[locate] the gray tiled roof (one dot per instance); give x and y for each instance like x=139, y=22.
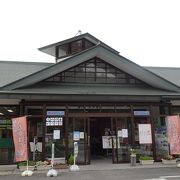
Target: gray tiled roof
x=12, y=70
x=172, y=74
x=106, y=55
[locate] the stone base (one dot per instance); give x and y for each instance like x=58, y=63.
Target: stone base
x=74, y=168
x=52, y=173
x=146, y=162
x=173, y=161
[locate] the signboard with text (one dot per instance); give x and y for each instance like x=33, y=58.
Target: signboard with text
x=145, y=135
x=54, y=121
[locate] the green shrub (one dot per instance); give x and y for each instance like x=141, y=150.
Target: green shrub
x=24, y=163
x=144, y=157
x=71, y=160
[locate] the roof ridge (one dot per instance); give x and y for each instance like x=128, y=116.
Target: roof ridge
x=24, y=62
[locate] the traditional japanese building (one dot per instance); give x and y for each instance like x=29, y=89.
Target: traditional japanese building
x=91, y=95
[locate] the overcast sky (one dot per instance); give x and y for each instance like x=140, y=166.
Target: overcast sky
x=145, y=31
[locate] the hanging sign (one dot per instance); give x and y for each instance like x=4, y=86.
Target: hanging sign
x=173, y=123
x=141, y=113
x=20, y=138
x=145, y=135
x=55, y=113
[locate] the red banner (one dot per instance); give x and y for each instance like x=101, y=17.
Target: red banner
x=20, y=138
x=173, y=123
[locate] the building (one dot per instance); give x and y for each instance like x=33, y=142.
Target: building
x=91, y=93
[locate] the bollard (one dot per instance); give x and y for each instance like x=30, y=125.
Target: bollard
x=133, y=159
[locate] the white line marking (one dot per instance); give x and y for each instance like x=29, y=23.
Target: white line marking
x=170, y=176
x=164, y=177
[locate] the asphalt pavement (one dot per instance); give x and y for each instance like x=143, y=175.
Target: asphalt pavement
x=166, y=173
x=102, y=170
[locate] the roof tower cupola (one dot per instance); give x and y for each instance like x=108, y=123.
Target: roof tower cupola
x=69, y=47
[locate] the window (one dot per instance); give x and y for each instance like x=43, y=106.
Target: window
x=94, y=71
x=76, y=46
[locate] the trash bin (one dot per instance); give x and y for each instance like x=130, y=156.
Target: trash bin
x=133, y=159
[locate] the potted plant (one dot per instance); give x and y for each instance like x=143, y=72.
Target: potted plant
x=133, y=151
x=169, y=159
x=145, y=159
x=71, y=160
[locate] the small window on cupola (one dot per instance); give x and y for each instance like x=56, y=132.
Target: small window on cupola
x=76, y=46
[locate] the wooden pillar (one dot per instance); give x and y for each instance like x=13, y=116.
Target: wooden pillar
x=132, y=127
x=153, y=133
x=43, y=131
x=22, y=108
x=66, y=123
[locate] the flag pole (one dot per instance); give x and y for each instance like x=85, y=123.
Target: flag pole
x=27, y=166
x=27, y=172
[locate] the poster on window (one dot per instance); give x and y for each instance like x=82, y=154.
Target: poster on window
x=76, y=135
x=173, y=124
x=125, y=133
x=145, y=135
x=107, y=142
x=56, y=134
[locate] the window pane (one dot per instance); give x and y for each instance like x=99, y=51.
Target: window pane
x=100, y=64
x=90, y=80
x=80, y=74
x=100, y=75
x=63, y=50
x=121, y=75
x=100, y=70
x=111, y=80
x=92, y=75
x=110, y=70
x=123, y=81
x=79, y=69
x=88, y=44
x=101, y=80
x=70, y=74
x=111, y=75
x=90, y=64
x=76, y=46
x=80, y=79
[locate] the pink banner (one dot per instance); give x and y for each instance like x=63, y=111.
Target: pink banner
x=174, y=134
x=20, y=138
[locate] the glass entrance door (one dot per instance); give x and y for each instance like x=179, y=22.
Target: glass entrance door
x=122, y=140
x=35, y=134
x=78, y=131
x=101, y=139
